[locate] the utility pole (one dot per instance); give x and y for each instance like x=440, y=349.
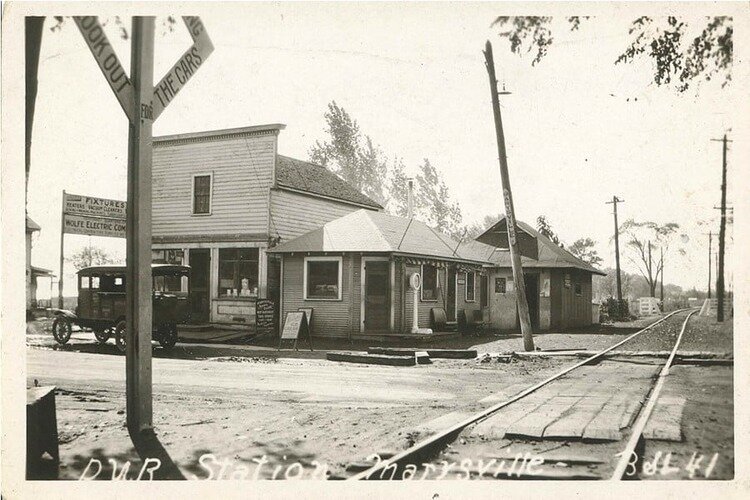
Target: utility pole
x=722, y=232
x=138, y=280
x=62, y=254
x=710, y=235
x=510, y=218
x=661, y=271
x=614, y=202
x=651, y=285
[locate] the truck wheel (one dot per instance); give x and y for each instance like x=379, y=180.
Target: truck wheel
x=102, y=336
x=120, y=336
x=168, y=336
x=62, y=329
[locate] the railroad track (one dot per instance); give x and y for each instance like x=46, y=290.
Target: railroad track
x=571, y=425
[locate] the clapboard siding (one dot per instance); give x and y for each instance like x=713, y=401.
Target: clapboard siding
x=242, y=168
x=294, y=214
x=331, y=318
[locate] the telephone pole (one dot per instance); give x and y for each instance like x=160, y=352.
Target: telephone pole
x=722, y=231
x=614, y=202
x=661, y=271
x=510, y=218
x=710, y=236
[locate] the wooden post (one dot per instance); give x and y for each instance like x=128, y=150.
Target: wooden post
x=614, y=202
x=62, y=254
x=722, y=235
x=710, y=235
x=138, y=229
x=510, y=218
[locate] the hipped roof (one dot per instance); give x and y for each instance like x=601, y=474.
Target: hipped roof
x=377, y=232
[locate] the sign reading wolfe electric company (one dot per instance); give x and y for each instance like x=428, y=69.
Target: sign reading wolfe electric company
x=93, y=216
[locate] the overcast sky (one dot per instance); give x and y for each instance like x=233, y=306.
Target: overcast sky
x=578, y=128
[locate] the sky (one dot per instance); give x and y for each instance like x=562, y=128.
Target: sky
x=579, y=129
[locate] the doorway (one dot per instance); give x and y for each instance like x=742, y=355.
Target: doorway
x=450, y=294
x=200, y=304
x=532, y=298
x=377, y=296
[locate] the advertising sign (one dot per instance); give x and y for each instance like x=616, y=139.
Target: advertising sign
x=75, y=204
x=93, y=226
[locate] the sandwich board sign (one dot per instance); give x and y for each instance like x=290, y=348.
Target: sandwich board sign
x=142, y=103
x=295, y=325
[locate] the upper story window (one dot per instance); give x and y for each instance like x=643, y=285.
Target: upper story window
x=202, y=184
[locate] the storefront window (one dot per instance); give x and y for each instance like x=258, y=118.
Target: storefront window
x=429, y=282
x=238, y=272
x=323, y=278
x=470, y=288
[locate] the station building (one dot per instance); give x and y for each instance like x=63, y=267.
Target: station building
x=354, y=273
x=222, y=198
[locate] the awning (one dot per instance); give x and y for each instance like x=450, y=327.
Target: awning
x=41, y=272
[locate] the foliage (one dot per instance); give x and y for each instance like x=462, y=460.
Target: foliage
x=583, y=248
x=676, y=58
x=352, y=155
x=648, y=242
x=474, y=230
x=91, y=256
x=545, y=228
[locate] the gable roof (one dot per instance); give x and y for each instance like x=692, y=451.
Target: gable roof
x=549, y=253
x=369, y=231
x=317, y=180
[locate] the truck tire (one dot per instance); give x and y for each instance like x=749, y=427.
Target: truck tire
x=168, y=335
x=120, y=336
x=62, y=329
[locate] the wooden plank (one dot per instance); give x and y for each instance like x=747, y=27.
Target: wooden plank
x=504, y=394
x=434, y=353
x=665, y=423
x=572, y=424
x=496, y=425
x=605, y=425
x=535, y=422
x=442, y=422
x=373, y=359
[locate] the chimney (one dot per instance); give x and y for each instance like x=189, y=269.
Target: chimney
x=410, y=199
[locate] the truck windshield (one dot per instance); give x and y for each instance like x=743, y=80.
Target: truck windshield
x=172, y=283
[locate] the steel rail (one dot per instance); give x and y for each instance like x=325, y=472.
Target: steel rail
x=640, y=424
x=435, y=439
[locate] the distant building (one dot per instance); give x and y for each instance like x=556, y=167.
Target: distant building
x=32, y=272
x=222, y=198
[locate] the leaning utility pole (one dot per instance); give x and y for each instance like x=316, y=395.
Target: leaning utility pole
x=614, y=202
x=510, y=218
x=722, y=233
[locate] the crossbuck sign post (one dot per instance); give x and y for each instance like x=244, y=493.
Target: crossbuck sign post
x=142, y=103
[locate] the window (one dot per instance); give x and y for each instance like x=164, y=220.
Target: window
x=429, y=282
x=238, y=272
x=566, y=280
x=202, y=194
x=111, y=283
x=322, y=278
x=578, y=289
x=470, y=287
x=500, y=285
x=95, y=282
x=84, y=282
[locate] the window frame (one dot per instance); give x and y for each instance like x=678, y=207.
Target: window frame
x=236, y=260
x=210, y=176
x=473, y=287
x=339, y=260
x=421, y=283
x=578, y=289
x=505, y=285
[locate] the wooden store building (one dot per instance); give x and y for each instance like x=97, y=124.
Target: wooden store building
x=222, y=198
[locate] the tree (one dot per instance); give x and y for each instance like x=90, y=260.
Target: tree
x=677, y=58
x=642, y=239
x=545, y=228
x=351, y=155
x=433, y=203
x=91, y=256
x=583, y=248
x=476, y=229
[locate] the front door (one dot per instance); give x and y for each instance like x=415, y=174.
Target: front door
x=200, y=303
x=450, y=295
x=377, y=295
x=532, y=298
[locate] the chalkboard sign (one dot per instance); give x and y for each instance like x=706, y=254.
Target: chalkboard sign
x=295, y=326
x=309, y=313
x=265, y=317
